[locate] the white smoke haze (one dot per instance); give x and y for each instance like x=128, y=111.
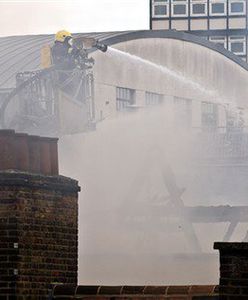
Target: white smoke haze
x=125, y=233
x=131, y=231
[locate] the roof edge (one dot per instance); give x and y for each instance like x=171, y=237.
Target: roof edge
x=177, y=35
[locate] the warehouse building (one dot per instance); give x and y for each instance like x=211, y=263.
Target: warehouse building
x=198, y=80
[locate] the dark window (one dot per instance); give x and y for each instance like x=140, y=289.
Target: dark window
x=198, y=9
x=237, y=44
x=179, y=9
x=237, y=47
x=209, y=115
x=220, y=44
x=160, y=10
x=219, y=40
x=124, y=98
x=153, y=98
x=160, y=0
x=218, y=8
x=237, y=7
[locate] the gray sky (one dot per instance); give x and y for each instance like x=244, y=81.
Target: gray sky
x=19, y=17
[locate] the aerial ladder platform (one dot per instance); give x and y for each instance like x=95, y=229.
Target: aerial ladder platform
x=54, y=101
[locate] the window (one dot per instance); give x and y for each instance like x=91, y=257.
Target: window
x=183, y=112
x=179, y=8
x=218, y=7
x=219, y=40
x=153, y=98
x=198, y=7
x=237, y=7
x=209, y=115
x=236, y=44
x=124, y=98
x=160, y=8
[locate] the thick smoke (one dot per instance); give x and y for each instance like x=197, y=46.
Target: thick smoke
x=128, y=234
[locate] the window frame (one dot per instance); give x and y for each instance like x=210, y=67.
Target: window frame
x=128, y=102
x=238, y=39
x=237, y=13
x=205, y=113
x=220, y=38
x=204, y=2
x=217, y=2
x=179, y=2
x=157, y=100
x=160, y=3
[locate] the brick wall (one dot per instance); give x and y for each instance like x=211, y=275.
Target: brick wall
x=38, y=234
x=38, y=218
x=233, y=270
x=136, y=292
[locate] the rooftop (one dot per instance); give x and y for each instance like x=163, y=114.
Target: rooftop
x=22, y=53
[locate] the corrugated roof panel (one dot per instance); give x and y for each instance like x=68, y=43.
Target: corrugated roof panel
x=20, y=57
x=22, y=53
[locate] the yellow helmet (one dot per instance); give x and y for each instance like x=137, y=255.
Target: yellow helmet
x=61, y=35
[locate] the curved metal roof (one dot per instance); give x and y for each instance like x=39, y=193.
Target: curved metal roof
x=22, y=53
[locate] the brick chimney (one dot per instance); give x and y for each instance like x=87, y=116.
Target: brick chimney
x=38, y=218
x=233, y=270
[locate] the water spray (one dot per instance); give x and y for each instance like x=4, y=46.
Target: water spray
x=165, y=70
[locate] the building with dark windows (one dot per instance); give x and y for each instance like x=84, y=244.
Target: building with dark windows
x=223, y=22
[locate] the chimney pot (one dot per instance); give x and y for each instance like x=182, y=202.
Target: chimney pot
x=54, y=156
x=34, y=153
x=7, y=150
x=22, y=152
x=45, y=156
x=28, y=153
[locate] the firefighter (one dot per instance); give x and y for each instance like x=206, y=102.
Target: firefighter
x=63, y=53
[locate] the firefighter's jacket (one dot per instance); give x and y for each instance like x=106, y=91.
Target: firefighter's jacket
x=63, y=55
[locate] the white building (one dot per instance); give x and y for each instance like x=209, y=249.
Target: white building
x=220, y=21
x=198, y=79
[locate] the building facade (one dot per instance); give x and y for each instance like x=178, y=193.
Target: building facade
x=197, y=80
x=198, y=98
x=223, y=22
